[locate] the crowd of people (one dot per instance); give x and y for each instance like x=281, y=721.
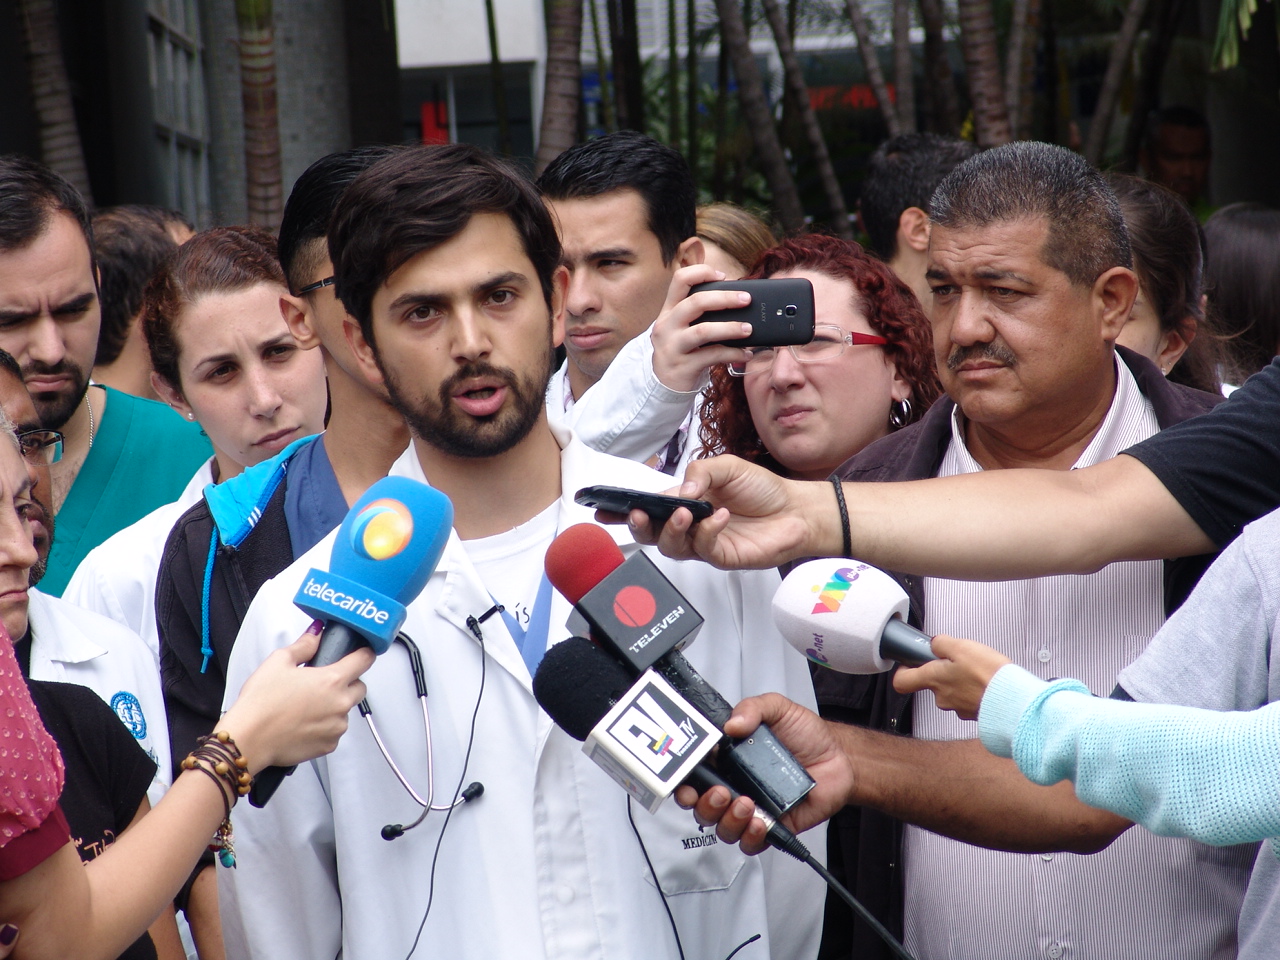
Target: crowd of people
x=1014, y=399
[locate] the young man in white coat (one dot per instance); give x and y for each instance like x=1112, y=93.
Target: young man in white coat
x=450, y=263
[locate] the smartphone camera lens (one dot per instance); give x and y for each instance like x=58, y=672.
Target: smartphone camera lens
x=791, y=310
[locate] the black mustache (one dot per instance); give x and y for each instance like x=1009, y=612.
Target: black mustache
x=997, y=352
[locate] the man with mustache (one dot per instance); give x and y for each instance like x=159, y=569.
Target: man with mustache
x=123, y=456
x=1030, y=273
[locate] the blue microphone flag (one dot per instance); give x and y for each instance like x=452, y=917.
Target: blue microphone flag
x=386, y=549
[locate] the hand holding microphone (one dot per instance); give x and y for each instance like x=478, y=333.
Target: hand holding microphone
x=649, y=739
x=387, y=548
x=642, y=732
x=643, y=621
x=959, y=680
x=848, y=616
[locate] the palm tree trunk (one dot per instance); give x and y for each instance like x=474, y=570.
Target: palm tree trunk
x=692, y=86
x=1117, y=65
x=903, y=69
x=607, y=108
x=759, y=120
x=719, y=120
x=498, y=83
x=559, y=128
x=982, y=64
x=1154, y=60
x=60, y=147
x=941, y=83
x=628, y=75
x=673, y=75
x=809, y=119
x=264, y=187
x=1013, y=61
x=871, y=63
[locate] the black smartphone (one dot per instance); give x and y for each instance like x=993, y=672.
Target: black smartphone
x=656, y=505
x=780, y=311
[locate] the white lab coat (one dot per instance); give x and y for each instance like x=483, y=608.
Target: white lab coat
x=73, y=645
x=628, y=413
x=544, y=864
x=117, y=578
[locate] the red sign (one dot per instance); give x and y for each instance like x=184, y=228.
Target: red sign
x=860, y=96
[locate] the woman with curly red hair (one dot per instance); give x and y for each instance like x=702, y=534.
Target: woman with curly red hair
x=803, y=410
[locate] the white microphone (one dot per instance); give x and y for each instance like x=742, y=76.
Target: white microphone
x=848, y=616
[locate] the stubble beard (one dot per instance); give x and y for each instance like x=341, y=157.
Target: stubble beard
x=457, y=434
x=55, y=409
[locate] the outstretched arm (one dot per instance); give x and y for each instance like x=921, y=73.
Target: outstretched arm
x=955, y=788
x=1051, y=521
x=75, y=912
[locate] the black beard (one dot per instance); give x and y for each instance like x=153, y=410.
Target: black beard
x=55, y=409
x=454, y=433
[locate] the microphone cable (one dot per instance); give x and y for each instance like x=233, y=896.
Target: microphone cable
x=783, y=839
x=473, y=624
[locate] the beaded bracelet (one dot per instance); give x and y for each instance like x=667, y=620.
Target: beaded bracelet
x=219, y=759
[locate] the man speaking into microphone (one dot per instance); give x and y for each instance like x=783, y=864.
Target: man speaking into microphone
x=449, y=263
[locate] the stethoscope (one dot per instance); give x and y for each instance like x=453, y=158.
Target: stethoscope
x=470, y=792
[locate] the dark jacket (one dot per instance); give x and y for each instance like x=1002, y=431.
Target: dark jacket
x=219, y=553
x=864, y=845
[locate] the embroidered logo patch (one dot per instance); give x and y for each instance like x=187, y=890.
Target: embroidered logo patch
x=129, y=710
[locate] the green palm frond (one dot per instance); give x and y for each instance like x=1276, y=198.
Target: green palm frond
x=1234, y=20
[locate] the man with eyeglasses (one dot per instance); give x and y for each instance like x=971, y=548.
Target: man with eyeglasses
x=63, y=642
x=1031, y=279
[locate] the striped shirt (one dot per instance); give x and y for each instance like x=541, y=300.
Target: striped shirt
x=1144, y=896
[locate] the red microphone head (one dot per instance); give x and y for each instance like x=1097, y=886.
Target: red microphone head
x=580, y=558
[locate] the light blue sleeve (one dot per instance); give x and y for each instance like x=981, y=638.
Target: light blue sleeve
x=1178, y=771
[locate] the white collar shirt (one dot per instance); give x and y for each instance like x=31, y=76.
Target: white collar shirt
x=1144, y=895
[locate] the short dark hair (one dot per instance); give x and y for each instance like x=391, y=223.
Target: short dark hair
x=30, y=193
x=221, y=260
x=1028, y=179
x=310, y=204
x=418, y=198
x=130, y=243
x=903, y=172
x=628, y=160
x=1172, y=116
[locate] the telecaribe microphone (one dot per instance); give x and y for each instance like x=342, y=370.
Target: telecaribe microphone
x=387, y=548
x=638, y=616
x=848, y=616
x=641, y=732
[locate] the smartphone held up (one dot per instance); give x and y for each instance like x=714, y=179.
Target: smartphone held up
x=780, y=312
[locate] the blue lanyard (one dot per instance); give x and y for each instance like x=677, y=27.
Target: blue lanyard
x=532, y=640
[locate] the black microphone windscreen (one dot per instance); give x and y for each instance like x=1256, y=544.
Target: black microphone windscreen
x=577, y=683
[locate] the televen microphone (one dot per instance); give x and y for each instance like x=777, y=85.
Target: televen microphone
x=387, y=548
x=848, y=616
x=637, y=615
